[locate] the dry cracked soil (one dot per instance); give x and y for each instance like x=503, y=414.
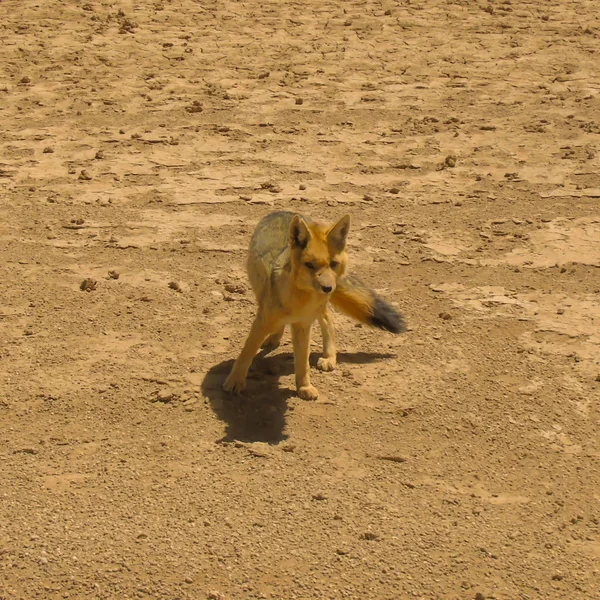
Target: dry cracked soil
x=140, y=142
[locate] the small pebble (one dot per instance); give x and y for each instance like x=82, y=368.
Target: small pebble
x=234, y=288
x=165, y=396
x=88, y=285
x=196, y=107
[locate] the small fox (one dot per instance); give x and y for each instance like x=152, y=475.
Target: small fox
x=297, y=267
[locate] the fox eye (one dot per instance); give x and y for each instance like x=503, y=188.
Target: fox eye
x=310, y=266
x=333, y=264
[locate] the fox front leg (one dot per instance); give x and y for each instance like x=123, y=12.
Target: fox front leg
x=236, y=381
x=301, y=342
x=328, y=361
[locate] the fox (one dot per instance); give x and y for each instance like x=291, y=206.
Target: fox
x=298, y=269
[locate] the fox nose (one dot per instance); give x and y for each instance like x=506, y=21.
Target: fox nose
x=326, y=288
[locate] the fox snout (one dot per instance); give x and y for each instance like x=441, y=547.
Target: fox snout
x=325, y=281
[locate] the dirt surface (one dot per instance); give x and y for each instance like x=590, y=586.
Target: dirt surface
x=140, y=142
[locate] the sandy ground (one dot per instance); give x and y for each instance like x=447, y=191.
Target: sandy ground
x=140, y=142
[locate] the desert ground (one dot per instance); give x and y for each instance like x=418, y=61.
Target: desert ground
x=140, y=143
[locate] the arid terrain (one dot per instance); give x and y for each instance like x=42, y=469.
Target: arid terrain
x=140, y=143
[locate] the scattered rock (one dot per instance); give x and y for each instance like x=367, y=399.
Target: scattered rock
x=234, y=288
x=174, y=285
x=84, y=176
x=259, y=449
x=450, y=161
x=88, y=285
x=165, y=396
x=271, y=187
x=25, y=451
x=127, y=26
x=48, y=150
x=113, y=275
x=299, y=101
x=393, y=458
x=196, y=107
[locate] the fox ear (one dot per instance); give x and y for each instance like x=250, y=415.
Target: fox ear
x=339, y=232
x=299, y=233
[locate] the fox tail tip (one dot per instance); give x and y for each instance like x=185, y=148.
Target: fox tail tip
x=386, y=317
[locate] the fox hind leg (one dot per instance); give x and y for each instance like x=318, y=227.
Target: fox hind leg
x=328, y=361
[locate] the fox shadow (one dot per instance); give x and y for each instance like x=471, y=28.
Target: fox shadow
x=259, y=414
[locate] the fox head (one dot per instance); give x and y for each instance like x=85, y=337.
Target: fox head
x=318, y=253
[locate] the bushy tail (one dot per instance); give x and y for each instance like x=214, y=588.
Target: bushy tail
x=355, y=299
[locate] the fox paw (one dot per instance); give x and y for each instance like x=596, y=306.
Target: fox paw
x=273, y=340
x=270, y=344
x=326, y=364
x=308, y=392
x=234, y=384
